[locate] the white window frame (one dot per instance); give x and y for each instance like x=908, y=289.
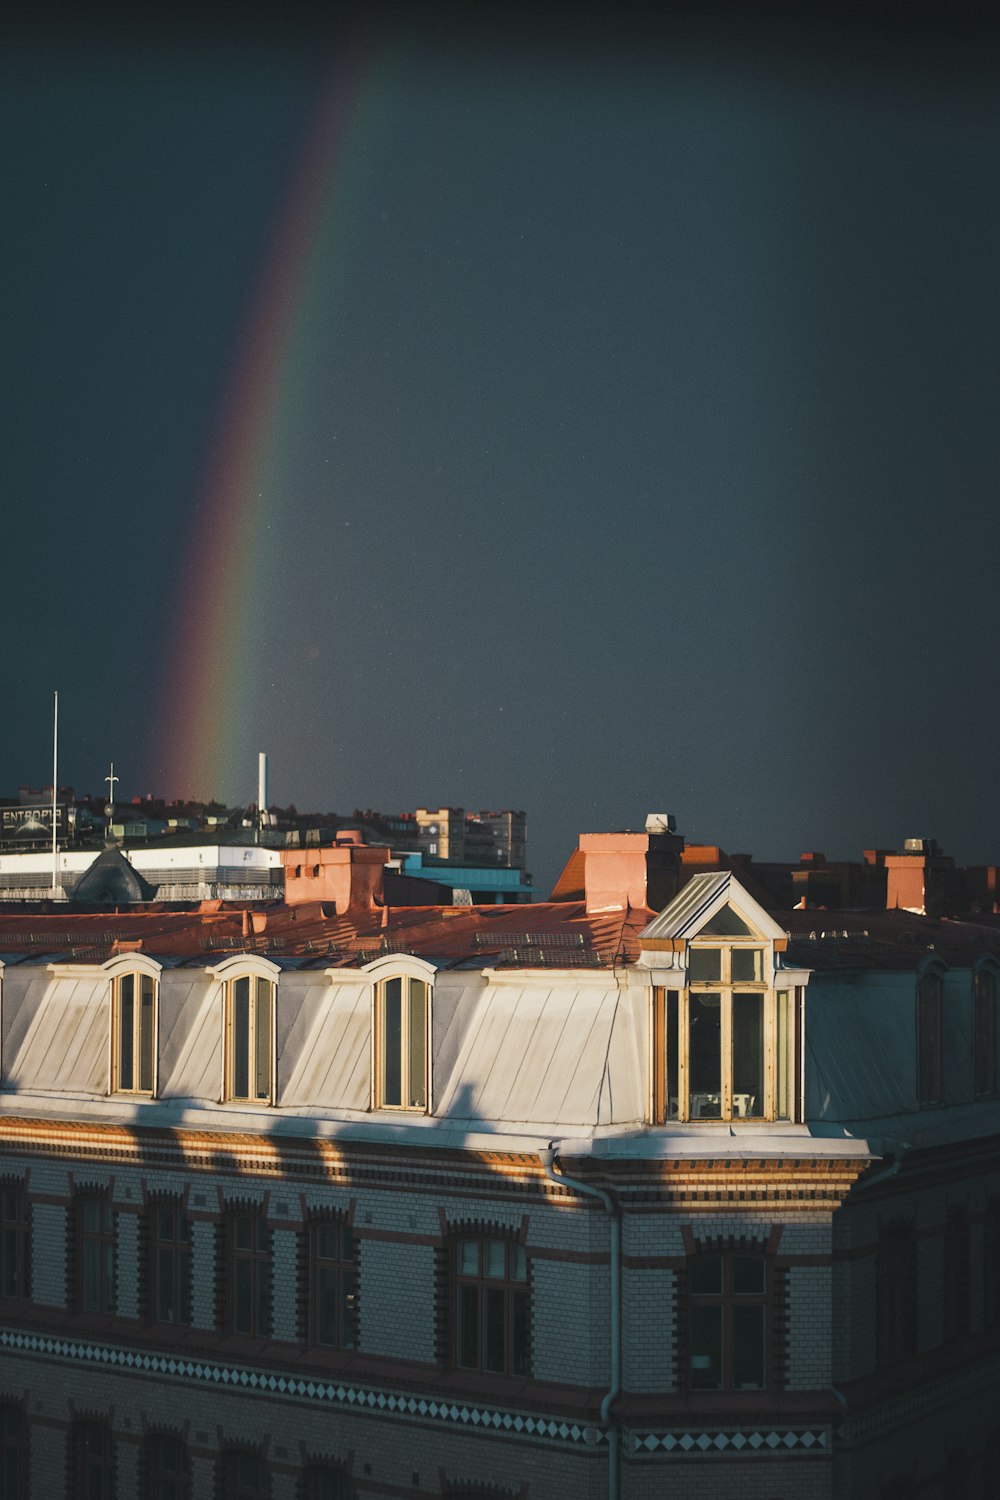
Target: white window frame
x=138, y=967
x=774, y=981
x=229, y=973
x=405, y=968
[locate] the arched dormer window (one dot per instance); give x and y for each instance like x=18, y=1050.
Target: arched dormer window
x=134, y=994
x=984, y=1029
x=401, y=1023
x=930, y=1051
x=249, y=991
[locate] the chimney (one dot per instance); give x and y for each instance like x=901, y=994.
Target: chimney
x=349, y=875
x=921, y=879
x=639, y=870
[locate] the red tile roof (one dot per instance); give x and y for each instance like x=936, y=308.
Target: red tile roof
x=552, y=934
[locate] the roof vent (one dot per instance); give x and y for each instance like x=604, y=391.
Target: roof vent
x=661, y=823
x=919, y=846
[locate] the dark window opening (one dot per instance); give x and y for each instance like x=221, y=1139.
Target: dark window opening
x=170, y=1252
x=332, y=1284
x=930, y=1086
x=95, y=1249
x=984, y=1033
x=896, y=1295
x=92, y=1461
x=15, y=1243
x=491, y=1312
x=248, y=1274
x=956, y=1276
x=15, y=1451
x=728, y=1312
x=165, y=1468
x=245, y=1475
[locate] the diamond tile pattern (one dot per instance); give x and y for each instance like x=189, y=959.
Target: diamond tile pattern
x=111, y=1357
x=704, y=1442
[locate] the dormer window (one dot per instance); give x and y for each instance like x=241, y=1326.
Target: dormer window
x=401, y=1022
x=724, y=1034
x=133, y=1028
x=984, y=1031
x=930, y=1061
x=249, y=1033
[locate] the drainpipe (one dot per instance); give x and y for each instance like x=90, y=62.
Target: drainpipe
x=547, y=1156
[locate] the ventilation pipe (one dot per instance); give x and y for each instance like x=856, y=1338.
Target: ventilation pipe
x=547, y=1156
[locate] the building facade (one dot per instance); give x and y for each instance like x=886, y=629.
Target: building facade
x=573, y=1199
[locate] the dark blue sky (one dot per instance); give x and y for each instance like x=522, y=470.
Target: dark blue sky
x=648, y=454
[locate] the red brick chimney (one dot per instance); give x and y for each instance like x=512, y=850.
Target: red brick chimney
x=641, y=870
x=349, y=875
x=921, y=879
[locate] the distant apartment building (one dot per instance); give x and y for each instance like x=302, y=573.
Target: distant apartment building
x=451, y=833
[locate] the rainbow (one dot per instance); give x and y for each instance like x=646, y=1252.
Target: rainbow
x=211, y=679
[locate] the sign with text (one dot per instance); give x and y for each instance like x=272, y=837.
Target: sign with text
x=31, y=825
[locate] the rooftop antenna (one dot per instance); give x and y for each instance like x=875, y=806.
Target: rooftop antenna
x=55, y=784
x=109, y=807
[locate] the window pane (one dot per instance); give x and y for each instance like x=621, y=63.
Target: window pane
x=494, y=1258
x=468, y=1327
x=262, y=1312
x=705, y=1057
x=518, y=1264
x=519, y=1356
x=166, y=1310
x=91, y=1276
x=326, y=1240
x=748, y=1055
x=242, y=1296
x=672, y=1041
x=326, y=1305
x=469, y=1257
x=706, y=1274
x=984, y=1044
x=417, y=1040
x=126, y=1032
x=748, y=1274
x=495, y=1306
x=184, y=1292
x=748, y=965
x=704, y=964
x=243, y=1232
x=348, y=1300
x=706, y=1348
x=146, y=1035
x=748, y=1347
x=108, y=1279
x=726, y=923
x=784, y=1072
x=392, y=1042
x=262, y=1039
x=241, y=1038
x=9, y=1281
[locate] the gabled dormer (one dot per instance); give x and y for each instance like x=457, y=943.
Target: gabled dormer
x=726, y=1018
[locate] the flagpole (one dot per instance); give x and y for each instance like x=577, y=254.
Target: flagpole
x=55, y=791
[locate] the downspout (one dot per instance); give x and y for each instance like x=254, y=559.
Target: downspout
x=547, y=1156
